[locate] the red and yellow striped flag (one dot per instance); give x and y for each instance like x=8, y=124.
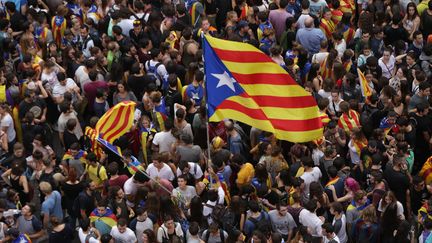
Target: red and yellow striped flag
x=244, y=84
x=349, y=120
x=116, y=121
x=364, y=86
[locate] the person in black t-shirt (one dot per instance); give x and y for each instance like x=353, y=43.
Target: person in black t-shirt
x=419, y=194
x=398, y=180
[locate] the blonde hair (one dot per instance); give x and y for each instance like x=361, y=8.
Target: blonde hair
x=45, y=187
x=231, y=15
x=369, y=214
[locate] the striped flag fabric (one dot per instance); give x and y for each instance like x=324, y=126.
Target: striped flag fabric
x=426, y=171
x=244, y=84
x=349, y=120
x=364, y=86
x=116, y=121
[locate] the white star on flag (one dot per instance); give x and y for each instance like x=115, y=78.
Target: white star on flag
x=76, y=10
x=225, y=79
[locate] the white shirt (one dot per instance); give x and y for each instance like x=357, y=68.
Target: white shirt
x=334, y=239
x=127, y=237
x=194, y=169
x=50, y=77
x=59, y=90
x=82, y=236
x=130, y=188
x=387, y=69
x=141, y=226
x=164, y=140
x=81, y=76
x=8, y=122
x=319, y=57
x=308, y=178
x=340, y=48
x=126, y=25
x=165, y=172
x=399, y=209
x=355, y=157
x=311, y=220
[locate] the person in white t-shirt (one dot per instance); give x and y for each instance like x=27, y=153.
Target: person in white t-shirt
x=141, y=223
x=130, y=187
x=88, y=234
x=65, y=85
x=7, y=124
x=162, y=141
x=121, y=233
x=160, y=169
x=310, y=175
x=309, y=219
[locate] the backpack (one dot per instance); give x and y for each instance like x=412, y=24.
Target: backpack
x=154, y=75
x=263, y=224
x=218, y=211
x=222, y=216
x=221, y=235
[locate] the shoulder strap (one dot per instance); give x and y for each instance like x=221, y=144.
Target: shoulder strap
x=195, y=169
x=221, y=235
x=208, y=205
x=207, y=235
x=98, y=170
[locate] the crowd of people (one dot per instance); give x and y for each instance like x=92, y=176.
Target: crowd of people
x=182, y=179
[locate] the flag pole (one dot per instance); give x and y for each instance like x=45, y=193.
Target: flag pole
x=209, y=161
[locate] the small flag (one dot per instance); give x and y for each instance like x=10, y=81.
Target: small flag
x=111, y=147
x=116, y=121
x=364, y=86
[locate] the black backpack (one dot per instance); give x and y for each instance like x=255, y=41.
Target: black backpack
x=222, y=216
x=221, y=235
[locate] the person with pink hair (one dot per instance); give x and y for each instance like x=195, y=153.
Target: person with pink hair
x=351, y=187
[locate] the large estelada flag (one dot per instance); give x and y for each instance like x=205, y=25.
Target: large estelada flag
x=244, y=84
x=116, y=121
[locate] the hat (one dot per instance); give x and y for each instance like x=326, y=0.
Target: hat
x=242, y=24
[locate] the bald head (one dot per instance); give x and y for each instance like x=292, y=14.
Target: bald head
x=309, y=22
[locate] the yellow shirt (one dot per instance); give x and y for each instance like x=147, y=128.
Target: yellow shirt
x=421, y=7
x=245, y=174
x=97, y=178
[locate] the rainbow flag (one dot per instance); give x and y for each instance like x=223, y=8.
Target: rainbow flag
x=244, y=84
x=104, y=222
x=80, y=156
x=332, y=181
x=116, y=121
x=364, y=86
